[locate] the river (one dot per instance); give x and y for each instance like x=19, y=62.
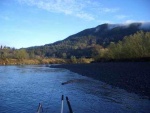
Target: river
x=22, y=88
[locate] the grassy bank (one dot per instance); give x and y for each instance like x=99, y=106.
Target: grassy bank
x=10, y=61
x=31, y=61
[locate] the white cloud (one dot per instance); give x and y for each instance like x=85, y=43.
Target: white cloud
x=68, y=7
x=129, y=21
x=79, y=8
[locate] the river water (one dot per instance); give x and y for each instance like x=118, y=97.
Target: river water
x=22, y=88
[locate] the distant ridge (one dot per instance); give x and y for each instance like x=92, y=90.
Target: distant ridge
x=103, y=30
x=81, y=43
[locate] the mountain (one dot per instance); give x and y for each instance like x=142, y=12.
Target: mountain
x=107, y=33
x=84, y=43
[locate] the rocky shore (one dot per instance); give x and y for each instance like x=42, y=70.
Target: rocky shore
x=131, y=76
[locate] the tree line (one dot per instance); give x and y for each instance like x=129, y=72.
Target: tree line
x=135, y=46
x=131, y=47
x=7, y=52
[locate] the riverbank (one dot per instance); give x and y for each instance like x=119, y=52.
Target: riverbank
x=37, y=61
x=31, y=61
x=131, y=76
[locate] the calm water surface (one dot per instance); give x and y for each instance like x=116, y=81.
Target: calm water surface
x=22, y=88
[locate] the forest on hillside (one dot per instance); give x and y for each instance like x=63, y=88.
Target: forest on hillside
x=134, y=46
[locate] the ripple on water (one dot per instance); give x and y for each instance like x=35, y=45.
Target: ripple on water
x=22, y=88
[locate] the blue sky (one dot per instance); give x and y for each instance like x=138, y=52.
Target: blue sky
x=25, y=23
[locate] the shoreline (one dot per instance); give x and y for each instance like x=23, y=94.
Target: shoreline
x=31, y=61
x=131, y=76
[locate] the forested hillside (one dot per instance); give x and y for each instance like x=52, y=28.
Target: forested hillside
x=87, y=43
x=136, y=46
x=103, y=43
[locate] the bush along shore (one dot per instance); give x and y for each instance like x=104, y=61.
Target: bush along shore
x=36, y=61
x=31, y=61
x=131, y=76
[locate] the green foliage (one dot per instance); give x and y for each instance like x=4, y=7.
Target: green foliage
x=107, y=44
x=21, y=54
x=96, y=50
x=7, y=52
x=84, y=43
x=77, y=46
x=73, y=59
x=115, y=50
x=64, y=55
x=133, y=46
